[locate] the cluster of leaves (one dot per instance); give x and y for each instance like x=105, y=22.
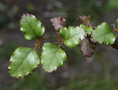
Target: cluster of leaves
x=24, y=60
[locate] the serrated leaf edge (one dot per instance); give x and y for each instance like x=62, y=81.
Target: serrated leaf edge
x=55, y=67
x=19, y=76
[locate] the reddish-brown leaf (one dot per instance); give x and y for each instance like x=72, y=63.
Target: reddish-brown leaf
x=87, y=47
x=84, y=20
x=58, y=22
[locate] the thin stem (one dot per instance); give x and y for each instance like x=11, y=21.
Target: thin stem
x=48, y=37
x=114, y=28
x=60, y=45
x=38, y=43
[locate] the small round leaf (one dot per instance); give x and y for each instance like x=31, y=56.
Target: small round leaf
x=23, y=62
x=72, y=35
x=52, y=57
x=31, y=27
x=103, y=34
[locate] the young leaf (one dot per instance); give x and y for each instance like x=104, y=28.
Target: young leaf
x=72, y=35
x=87, y=47
x=23, y=61
x=84, y=20
x=103, y=34
x=31, y=27
x=58, y=23
x=87, y=29
x=52, y=57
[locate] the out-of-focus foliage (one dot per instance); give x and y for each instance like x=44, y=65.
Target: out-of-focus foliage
x=36, y=81
x=31, y=7
x=85, y=82
x=7, y=49
x=89, y=83
x=111, y=5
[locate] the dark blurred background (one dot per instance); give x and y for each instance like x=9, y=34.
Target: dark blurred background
x=100, y=72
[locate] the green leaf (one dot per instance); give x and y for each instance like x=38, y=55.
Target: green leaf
x=72, y=35
x=103, y=34
x=31, y=27
x=52, y=57
x=87, y=29
x=23, y=61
